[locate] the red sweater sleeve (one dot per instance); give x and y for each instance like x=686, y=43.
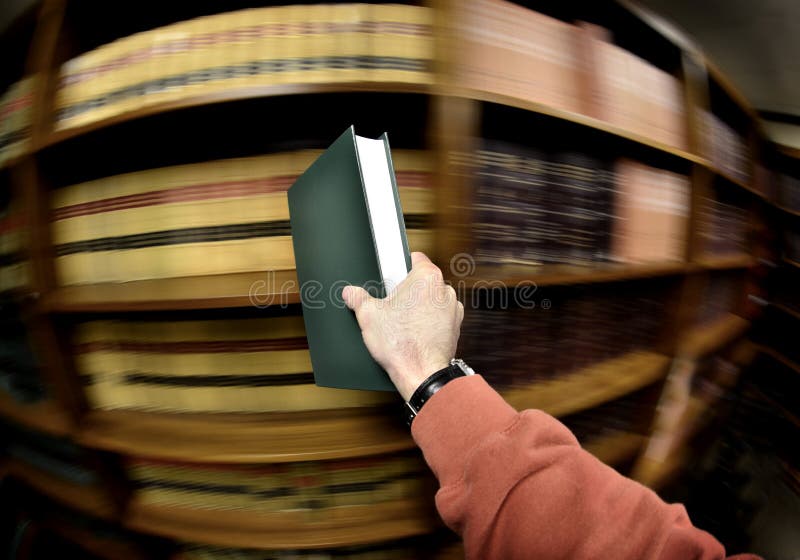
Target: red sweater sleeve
x=518, y=485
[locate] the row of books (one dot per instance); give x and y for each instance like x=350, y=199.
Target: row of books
x=215, y=365
x=301, y=44
x=724, y=147
x=305, y=492
x=504, y=48
x=14, y=264
x=209, y=218
x=263, y=364
x=16, y=117
x=517, y=347
x=723, y=228
x=530, y=207
x=299, y=497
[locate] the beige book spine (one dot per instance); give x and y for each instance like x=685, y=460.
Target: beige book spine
x=158, y=217
x=274, y=362
x=392, y=42
x=198, y=259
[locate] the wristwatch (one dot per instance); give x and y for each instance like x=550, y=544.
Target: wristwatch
x=457, y=368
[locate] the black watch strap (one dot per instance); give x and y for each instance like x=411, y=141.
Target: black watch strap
x=436, y=381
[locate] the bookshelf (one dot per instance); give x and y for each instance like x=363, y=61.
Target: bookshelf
x=434, y=114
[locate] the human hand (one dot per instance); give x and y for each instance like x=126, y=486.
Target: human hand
x=413, y=332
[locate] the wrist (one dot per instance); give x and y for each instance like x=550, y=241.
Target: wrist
x=455, y=368
x=408, y=378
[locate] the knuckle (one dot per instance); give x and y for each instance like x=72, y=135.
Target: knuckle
x=434, y=272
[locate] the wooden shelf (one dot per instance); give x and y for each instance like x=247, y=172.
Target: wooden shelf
x=706, y=339
x=616, y=447
x=247, y=289
x=577, y=118
x=91, y=499
x=591, y=386
x=45, y=415
x=233, y=94
x=514, y=275
x=247, y=438
x=353, y=525
x=725, y=262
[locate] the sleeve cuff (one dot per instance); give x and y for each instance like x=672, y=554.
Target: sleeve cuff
x=455, y=420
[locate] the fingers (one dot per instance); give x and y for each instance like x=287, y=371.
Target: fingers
x=354, y=297
x=419, y=258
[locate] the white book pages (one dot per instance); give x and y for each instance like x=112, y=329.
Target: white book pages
x=382, y=211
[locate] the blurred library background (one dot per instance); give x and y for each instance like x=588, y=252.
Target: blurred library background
x=612, y=187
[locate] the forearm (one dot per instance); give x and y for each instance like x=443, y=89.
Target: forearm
x=519, y=486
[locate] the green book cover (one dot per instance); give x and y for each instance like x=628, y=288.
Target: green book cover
x=347, y=228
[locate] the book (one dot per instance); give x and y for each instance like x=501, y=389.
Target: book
x=630, y=92
x=513, y=51
x=652, y=209
x=347, y=228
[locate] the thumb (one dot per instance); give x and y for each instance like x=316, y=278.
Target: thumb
x=355, y=296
